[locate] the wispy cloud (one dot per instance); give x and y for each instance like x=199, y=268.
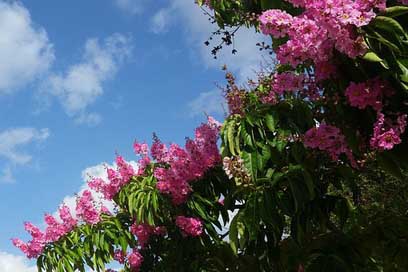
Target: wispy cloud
x=131, y=6
x=161, y=20
x=12, y=139
x=211, y=102
x=12, y=142
x=82, y=83
x=198, y=29
x=25, y=50
x=13, y=263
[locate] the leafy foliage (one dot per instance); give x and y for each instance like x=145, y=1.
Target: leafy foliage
x=296, y=208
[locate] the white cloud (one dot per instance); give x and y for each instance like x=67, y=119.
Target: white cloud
x=25, y=50
x=12, y=139
x=131, y=6
x=82, y=83
x=198, y=29
x=211, y=102
x=160, y=21
x=91, y=119
x=13, y=263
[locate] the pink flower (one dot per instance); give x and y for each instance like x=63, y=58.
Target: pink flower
x=188, y=164
x=287, y=81
x=67, y=219
x=386, y=133
x=189, y=225
x=135, y=260
x=329, y=139
x=35, y=232
x=32, y=249
x=143, y=232
x=125, y=169
x=105, y=210
x=141, y=148
x=159, y=151
x=275, y=22
x=119, y=256
x=21, y=245
x=55, y=230
x=116, y=179
x=86, y=210
x=322, y=27
x=143, y=163
x=369, y=93
x=388, y=139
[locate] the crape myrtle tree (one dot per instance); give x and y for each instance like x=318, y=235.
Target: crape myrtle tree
x=312, y=170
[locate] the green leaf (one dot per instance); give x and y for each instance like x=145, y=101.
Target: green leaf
x=385, y=41
x=233, y=234
x=372, y=57
x=404, y=74
x=389, y=24
x=247, y=139
x=270, y=122
x=389, y=165
x=396, y=11
x=251, y=163
x=231, y=136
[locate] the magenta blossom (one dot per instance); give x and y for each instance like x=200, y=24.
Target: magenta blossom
x=190, y=226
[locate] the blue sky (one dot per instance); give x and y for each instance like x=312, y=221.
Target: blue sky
x=80, y=80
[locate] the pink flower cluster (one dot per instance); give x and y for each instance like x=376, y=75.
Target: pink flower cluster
x=190, y=226
x=387, y=133
x=54, y=231
x=323, y=26
x=119, y=256
x=86, y=210
x=117, y=179
x=178, y=167
x=369, y=93
x=35, y=247
x=134, y=259
x=181, y=166
x=144, y=231
x=329, y=139
x=287, y=81
x=236, y=101
x=303, y=85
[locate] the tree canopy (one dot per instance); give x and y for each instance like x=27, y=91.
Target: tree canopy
x=308, y=172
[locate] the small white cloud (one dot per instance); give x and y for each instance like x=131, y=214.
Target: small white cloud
x=82, y=83
x=90, y=119
x=160, y=21
x=12, y=139
x=211, y=102
x=13, y=263
x=131, y=6
x=25, y=50
x=11, y=142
